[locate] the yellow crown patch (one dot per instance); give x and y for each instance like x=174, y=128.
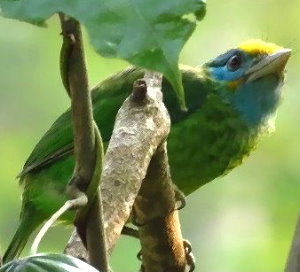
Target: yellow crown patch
x=256, y=46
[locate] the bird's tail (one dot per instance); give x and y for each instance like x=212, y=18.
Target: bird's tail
x=29, y=222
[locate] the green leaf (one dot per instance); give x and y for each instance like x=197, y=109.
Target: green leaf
x=48, y=262
x=147, y=33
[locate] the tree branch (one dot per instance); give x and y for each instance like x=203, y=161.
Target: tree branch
x=142, y=124
x=160, y=233
x=293, y=262
x=87, y=145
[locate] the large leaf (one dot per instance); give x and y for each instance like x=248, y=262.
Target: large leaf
x=48, y=262
x=147, y=33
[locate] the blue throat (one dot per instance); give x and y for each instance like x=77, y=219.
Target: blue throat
x=258, y=100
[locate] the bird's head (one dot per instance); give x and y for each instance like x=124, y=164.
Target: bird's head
x=250, y=77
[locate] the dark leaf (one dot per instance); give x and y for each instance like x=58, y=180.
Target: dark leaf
x=48, y=262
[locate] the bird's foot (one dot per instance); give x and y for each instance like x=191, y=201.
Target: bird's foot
x=134, y=220
x=190, y=259
x=132, y=232
x=140, y=258
x=139, y=255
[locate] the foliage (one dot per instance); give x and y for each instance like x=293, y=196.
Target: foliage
x=48, y=262
x=148, y=33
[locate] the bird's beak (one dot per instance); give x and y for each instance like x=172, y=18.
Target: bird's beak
x=269, y=64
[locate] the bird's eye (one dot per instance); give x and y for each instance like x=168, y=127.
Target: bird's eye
x=234, y=63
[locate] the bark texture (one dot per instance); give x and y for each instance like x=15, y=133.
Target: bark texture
x=160, y=233
x=142, y=124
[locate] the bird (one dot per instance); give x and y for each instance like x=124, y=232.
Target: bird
x=231, y=101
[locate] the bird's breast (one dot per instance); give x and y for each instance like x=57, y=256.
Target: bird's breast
x=208, y=144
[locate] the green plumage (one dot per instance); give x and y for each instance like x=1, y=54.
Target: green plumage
x=202, y=144
x=222, y=142
x=216, y=133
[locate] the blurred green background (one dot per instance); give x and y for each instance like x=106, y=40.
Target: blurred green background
x=242, y=222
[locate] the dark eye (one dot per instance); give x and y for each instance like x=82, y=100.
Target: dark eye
x=234, y=63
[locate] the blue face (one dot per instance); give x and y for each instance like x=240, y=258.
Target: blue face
x=231, y=65
x=257, y=100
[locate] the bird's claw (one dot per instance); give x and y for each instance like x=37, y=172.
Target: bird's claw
x=134, y=220
x=139, y=255
x=140, y=258
x=132, y=232
x=190, y=259
x=180, y=199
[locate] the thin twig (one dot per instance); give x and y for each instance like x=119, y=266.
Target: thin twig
x=87, y=143
x=70, y=204
x=77, y=84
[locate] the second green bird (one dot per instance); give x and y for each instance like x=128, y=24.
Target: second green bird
x=231, y=100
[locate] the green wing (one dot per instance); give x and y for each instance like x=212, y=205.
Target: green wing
x=107, y=98
x=58, y=140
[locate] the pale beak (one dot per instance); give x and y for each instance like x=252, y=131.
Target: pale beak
x=270, y=64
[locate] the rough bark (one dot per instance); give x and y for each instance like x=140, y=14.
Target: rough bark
x=142, y=124
x=136, y=172
x=160, y=233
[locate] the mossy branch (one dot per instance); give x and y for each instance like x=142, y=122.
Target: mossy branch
x=160, y=233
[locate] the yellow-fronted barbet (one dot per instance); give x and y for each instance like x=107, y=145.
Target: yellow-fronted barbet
x=231, y=100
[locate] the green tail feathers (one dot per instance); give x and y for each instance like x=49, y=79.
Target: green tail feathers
x=29, y=223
